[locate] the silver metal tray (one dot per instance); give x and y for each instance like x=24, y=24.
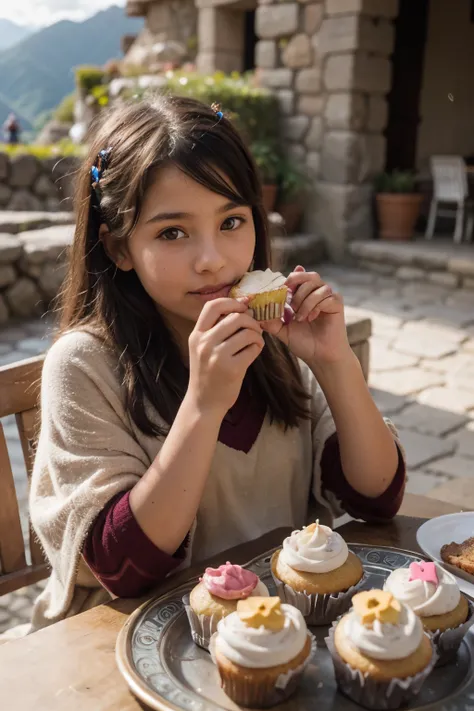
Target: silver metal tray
x=166, y=670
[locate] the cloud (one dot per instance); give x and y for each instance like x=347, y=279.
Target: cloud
x=39, y=13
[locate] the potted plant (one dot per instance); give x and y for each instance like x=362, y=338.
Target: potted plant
x=268, y=161
x=293, y=183
x=398, y=205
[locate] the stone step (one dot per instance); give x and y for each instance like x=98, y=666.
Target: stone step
x=13, y=222
x=438, y=261
x=289, y=251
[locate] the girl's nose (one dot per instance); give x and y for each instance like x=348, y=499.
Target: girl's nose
x=208, y=257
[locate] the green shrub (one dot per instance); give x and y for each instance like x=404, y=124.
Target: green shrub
x=254, y=110
x=294, y=180
x=65, y=110
x=87, y=77
x=65, y=147
x=399, y=181
x=267, y=157
x=101, y=94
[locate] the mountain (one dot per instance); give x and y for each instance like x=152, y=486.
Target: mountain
x=39, y=71
x=11, y=33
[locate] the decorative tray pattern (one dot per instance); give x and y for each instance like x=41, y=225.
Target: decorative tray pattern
x=166, y=670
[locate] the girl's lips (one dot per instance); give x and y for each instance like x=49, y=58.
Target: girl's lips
x=209, y=295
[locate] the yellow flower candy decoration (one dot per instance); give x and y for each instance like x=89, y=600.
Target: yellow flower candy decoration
x=378, y=605
x=261, y=612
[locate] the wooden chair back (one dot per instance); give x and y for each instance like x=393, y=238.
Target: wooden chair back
x=19, y=396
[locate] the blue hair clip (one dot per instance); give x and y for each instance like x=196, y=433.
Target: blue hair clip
x=217, y=110
x=99, y=167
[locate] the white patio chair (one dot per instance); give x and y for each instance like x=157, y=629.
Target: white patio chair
x=450, y=186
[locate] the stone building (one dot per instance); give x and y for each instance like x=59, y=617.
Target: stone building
x=364, y=85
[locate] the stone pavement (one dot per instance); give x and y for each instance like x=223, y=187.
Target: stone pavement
x=422, y=376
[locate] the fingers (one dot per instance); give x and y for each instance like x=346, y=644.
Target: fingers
x=313, y=300
x=232, y=323
x=305, y=289
x=239, y=341
x=213, y=311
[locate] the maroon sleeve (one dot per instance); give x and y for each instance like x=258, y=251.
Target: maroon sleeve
x=120, y=554
x=373, y=510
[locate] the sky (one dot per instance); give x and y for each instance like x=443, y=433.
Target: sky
x=40, y=13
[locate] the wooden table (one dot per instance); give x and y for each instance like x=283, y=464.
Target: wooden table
x=71, y=665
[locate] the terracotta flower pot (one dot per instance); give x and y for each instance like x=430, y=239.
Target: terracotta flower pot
x=269, y=197
x=292, y=212
x=398, y=213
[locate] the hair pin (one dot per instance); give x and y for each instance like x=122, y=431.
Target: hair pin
x=100, y=166
x=217, y=110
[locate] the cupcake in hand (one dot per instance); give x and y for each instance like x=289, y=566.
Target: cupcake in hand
x=316, y=572
x=381, y=654
x=216, y=596
x=261, y=651
x=433, y=594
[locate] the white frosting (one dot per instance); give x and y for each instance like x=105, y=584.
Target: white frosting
x=384, y=641
x=258, y=281
x=318, y=551
x=260, y=648
x=424, y=598
x=260, y=590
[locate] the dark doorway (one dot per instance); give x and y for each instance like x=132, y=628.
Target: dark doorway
x=250, y=40
x=411, y=29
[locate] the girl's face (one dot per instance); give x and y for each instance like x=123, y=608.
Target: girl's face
x=190, y=245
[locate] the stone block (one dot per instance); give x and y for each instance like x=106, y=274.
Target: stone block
x=465, y=442
x=388, y=403
x=422, y=483
x=339, y=34
x=42, y=246
x=429, y=420
x=314, y=135
x=457, y=491
x=453, y=466
x=448, y=399
x=374, y=8
x=4, y=312
x=4, y=166
x=349, y=157
x=44, y=187
x=10, y=249
x=376, y=36
x=51, y=279
x=420, y=448
x=313, y=17
x=295, y=127
x=313, y=161
x=276, y=78
x=53, y=204
x=23, y=199
x=310, y=105
x=462, y=265
x=298, y=52
x=358, y=72
x=346, y=111
x=443, y=279
x=286, y=99
x=468, y=283
x=308, y=81
x=23, y=298
x=406, y=381
x=266, y=54
x=410, y=274
x=24, y=170
x=5, y=194
x=275, y=21
x=340, y=213
x=296, y=249
x=7, y=275
x=377, y=114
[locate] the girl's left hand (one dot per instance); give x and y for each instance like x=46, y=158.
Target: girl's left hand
x=317, y=334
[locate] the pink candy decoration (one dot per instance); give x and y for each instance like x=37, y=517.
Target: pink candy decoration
x=230, y=582
x=424, y=571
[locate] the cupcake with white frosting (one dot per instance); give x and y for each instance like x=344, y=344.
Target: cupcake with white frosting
x=433, y=594
x=317, y=573
x=381, y=653
x=261, y=651
x=216, y=596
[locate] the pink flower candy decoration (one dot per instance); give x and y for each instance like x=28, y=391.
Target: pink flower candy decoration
x=230, y=582
x=424, y=571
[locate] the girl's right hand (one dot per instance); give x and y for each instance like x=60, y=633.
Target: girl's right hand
x=222, y=345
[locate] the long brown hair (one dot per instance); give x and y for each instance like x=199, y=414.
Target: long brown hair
x=143, y=137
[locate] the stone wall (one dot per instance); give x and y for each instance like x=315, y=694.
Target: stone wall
x=27, y=183
x=328, y=61
x=32, y=267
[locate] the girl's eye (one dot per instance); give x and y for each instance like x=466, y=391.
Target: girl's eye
x=171, y=234
x=231, y=223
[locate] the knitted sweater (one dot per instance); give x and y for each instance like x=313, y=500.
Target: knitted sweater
x=89, y=450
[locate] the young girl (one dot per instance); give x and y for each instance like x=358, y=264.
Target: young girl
x=174, y=425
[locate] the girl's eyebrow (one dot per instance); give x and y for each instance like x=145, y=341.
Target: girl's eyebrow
x=163, y=216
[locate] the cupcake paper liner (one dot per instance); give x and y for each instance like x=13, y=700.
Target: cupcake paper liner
x=448, y=642
x=202, y=626
x=371, y=693
x=268, y=312
x=266, y=693
x=318, y=609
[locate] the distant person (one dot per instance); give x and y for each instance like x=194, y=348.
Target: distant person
x=11, y=129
